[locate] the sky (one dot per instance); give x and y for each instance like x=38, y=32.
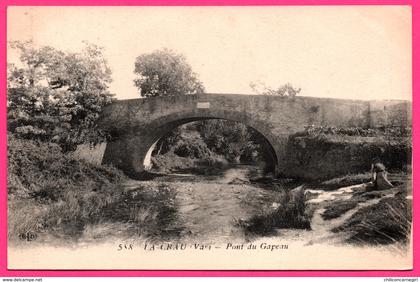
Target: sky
x=353, y=52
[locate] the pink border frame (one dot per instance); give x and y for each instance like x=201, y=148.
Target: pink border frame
x=4, y=272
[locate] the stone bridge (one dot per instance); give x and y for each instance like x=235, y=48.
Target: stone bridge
x=137, y=124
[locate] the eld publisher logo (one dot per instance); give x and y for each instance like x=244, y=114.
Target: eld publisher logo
x=28, y=236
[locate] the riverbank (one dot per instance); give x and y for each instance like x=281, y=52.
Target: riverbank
x=205, y=214
x=229, y=207
x=81, y=203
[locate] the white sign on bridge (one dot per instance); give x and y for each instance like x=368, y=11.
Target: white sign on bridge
x=203, y=105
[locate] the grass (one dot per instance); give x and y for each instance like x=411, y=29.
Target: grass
x=55, y=195
x=386, y=222
x=343, y=181
x=291, y=213
x=339, y=208
x=150, y=211
x=397, y=177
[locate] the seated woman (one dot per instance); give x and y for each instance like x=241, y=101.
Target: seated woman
x=379, y=176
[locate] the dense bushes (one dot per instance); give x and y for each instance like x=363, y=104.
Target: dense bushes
x=191, y=147
x=51, y=193
x=211, y=141
x=57, y=96
x=185, y=142
x=60, y=189
x=291, y=213
x=357, y=131
x=227, y=138
x=38, y=168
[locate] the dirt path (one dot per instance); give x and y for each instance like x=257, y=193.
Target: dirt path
x=209, y=206
x=208, y=210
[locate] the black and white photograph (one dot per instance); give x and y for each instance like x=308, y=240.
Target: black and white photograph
x=209, y=138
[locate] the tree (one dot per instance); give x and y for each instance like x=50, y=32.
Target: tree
x=165, y=73
x=283, y=90
x=57, y=96
x=228, y=138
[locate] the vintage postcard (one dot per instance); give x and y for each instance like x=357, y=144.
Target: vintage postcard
x=210, y=138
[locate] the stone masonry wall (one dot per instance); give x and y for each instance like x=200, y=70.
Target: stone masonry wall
x=137, y=124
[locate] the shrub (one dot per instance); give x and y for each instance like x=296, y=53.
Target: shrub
x=395, y=131
x=57, y=96
x=40, y=169
x=291, y=213
x=227, y=138
x=54, y=193
x=192, y=148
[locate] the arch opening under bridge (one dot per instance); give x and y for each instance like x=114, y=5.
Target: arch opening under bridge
x=268, y=155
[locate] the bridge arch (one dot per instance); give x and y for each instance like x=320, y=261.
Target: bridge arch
x=137, y=124
x=267, y=148
x=130, y=149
